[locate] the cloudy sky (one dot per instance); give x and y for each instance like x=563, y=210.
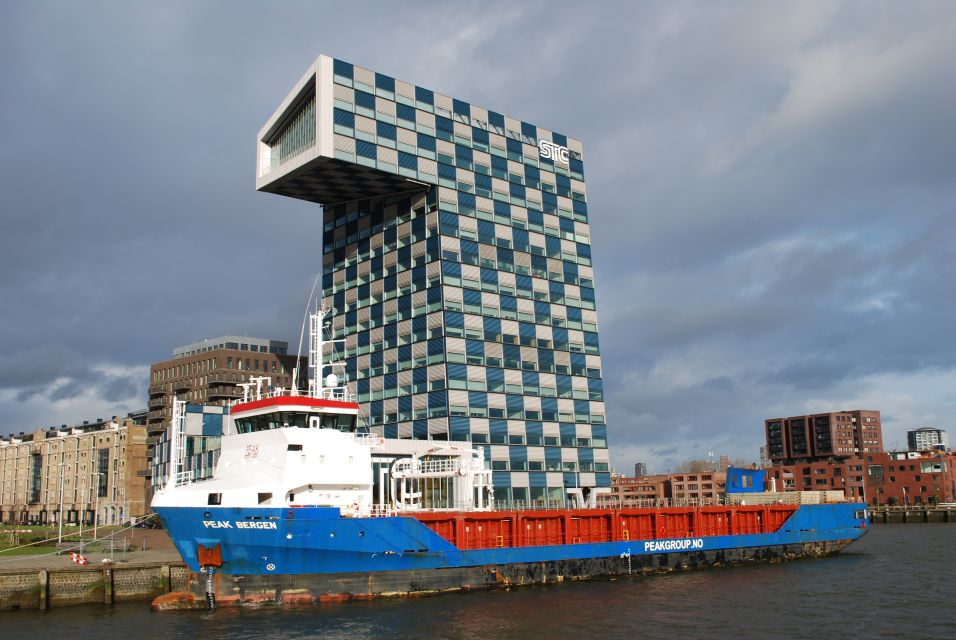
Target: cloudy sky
x=771, y=188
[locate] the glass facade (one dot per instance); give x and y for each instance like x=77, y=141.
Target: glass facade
x=466, y=300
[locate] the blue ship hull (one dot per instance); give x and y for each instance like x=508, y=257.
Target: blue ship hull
x=313, y=554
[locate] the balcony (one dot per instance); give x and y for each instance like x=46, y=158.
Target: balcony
x=157, y=403
x=224, y=392
x=181, y=386
x=157, y=389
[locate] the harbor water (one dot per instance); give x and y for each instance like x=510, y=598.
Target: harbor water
x=897, y=582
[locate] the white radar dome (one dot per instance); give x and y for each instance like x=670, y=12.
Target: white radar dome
x=331, y=380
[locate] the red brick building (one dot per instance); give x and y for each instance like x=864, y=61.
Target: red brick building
x=822, y=436
x=879, y=478
x=635, y=491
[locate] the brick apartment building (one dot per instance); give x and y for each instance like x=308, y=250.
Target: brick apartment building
x=209, y=372
x=91, y=470
x=823, y=436
x=677, y=488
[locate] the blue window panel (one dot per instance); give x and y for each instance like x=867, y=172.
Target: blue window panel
x=343, y=118
x=407, y=161
x=532, y=174
x=580, y=207
x=471, y=296
x=457, y=371
x=426, y=142
x=437, y=399
x=478, y=399
x=537, y=217
x=549, y=202
x=495, y=378
x=420, y=429
x=576, y=165
x=499, y=163
x=420, y=374
x=537, y=479
x=595, y=389
x=526, y=329
x=436, y=346
x=444, y=124
x=572, y=479
x=559, y=139
x=549, y=406
x=552, y=454
x=483, y=182
x=529, y=130
x=584, y=250
x=461, y=108
x=489, y=276
x=384, y=82
x=469, y=247
x=454, y=318
x=479, y=135
x=486, y=228
x=463, y=154
x=391, y=431
x=516, y=190
x=341, y=68
x=466, y=201
x=568, y=430
x=363, y=99
x=587, y=294
x=599, y=431
x=534, y=429
x=518, y=454
x=501, y=479
x=405, y=403
x=377, y=359
x=449, y=224
x=405, y=112
x=365, y=149
x=460, y=427
x=496, y=119
x=508, y=303
x=212, y=424
x=582, y=406
x=514, y=146
x=474, y=348
x=424, y=95
x=447, y=171
x=498, y=428
x=520, y=240
x=491, y=326
x=385, y=130
x=514, y=402
x=602, y=479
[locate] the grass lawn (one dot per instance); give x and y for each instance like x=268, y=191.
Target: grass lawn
x=25, y=551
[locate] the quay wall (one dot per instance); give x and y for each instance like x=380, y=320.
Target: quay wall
x=904, y=515
x=43, y=589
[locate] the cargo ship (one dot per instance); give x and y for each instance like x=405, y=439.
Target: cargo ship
x=307, y=506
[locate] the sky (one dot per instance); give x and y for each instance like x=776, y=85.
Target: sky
x=771, y=188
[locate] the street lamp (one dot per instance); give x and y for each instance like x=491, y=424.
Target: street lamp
x=59, y=514
x=96, y=502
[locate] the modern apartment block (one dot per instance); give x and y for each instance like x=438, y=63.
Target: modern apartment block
x=210, y=372
x=927, y=438
x=94, y=470
x=456, y=255
x=821, y=436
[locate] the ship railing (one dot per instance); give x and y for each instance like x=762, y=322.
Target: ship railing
x=183, y=477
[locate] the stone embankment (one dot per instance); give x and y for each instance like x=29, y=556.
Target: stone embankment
x=903, y=515
x=152, y=569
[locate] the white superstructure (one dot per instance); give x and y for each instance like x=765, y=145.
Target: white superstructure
x=282, y=450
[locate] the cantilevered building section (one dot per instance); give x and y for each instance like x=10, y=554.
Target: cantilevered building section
x=456, y=254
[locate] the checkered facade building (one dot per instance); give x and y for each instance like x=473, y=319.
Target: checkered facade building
x=456, y=254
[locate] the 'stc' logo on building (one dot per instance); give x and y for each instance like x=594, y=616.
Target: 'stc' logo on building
x=552, y=151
